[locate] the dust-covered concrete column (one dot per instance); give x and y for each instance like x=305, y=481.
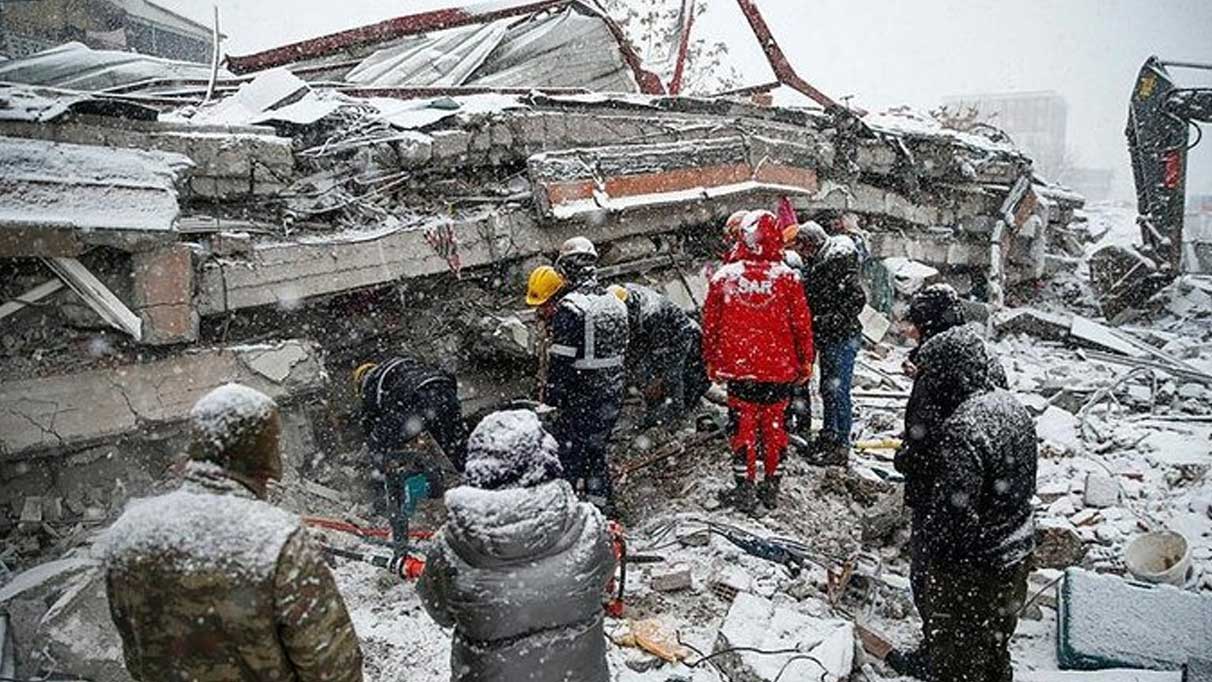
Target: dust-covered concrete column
x=163, y=294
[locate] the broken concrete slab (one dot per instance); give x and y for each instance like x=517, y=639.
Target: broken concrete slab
x=225, y=161
x=77, y=633
x=1107, y=622
x=73, y=410
x=756, y=623
x=570, y=183
x=71, y=187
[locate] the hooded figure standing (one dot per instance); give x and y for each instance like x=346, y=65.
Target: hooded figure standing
x=757, y=336
x=212, y=583
x=585, y=374
x=970, y=467
x=520, y=567
x=832, y=284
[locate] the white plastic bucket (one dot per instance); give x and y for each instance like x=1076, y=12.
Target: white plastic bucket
x=1160, y=557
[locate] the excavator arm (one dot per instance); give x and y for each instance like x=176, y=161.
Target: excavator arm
x=1161, y=117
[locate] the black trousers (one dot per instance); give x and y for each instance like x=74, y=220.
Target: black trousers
x=969, y=613
x=584, y=438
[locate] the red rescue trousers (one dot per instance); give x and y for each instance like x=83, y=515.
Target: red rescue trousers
x=757, y=414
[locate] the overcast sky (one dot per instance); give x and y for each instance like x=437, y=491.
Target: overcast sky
x=886, y=53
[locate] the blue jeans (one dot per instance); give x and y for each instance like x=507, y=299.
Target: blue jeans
x=837, y=376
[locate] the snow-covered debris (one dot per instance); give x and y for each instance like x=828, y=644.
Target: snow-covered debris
x=825, y=647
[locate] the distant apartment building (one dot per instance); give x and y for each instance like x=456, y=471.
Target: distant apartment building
x=29, y=26
x=1037, y=121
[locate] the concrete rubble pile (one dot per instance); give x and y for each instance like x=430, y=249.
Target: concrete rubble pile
x=324, y=207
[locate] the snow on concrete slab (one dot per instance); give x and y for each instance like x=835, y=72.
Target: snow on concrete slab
x=54, y=185
x=1113, y=675
x=756, y=623
x=1108, y=622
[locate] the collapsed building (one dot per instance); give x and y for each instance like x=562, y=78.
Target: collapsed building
x=280, y=220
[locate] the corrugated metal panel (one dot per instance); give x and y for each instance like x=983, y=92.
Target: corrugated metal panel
x=78, y=67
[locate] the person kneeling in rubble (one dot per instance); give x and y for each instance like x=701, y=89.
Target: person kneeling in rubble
x=664, y=354
x=970, y=476
x=212, y=583
x=410, y=412
x=757, y=336
x=520, y=566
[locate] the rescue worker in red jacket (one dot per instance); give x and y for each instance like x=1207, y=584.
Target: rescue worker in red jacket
x=757, y=336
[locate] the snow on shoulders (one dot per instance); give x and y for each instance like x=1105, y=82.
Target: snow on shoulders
x=223, y=412
x=200, y=532
x=839, y=246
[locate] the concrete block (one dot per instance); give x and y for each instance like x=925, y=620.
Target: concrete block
x=671, y=580
x=1101, y=490
x=450, y=145
x=167, y=325
x=162, y=295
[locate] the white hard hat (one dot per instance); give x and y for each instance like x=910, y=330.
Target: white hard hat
x=577, y=246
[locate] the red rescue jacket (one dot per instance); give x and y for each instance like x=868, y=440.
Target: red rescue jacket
x=756, y=321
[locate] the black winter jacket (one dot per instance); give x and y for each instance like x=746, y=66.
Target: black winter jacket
x=952, y=366
x=403, y=396
x=977, y=501
x=833, y=285
x=656, y=322
x=587, y=351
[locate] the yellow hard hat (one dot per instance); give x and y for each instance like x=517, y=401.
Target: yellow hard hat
x=360, y=373
x=544, y=283
x=620, y=292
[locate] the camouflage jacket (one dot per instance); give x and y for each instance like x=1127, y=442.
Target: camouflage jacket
x=210, y=583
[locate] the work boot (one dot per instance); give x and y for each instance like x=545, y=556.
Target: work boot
x=830, y=453
x=768, y=491
x=746, y=497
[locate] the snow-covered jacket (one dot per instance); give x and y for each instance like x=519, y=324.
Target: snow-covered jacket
x=833, y=285
x=756, y=322
x=520, y=574
x=208, y=583
x=953, y=366
x=587, y=351
x=977, y=501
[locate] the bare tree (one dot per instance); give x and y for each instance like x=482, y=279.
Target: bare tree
x=654, y=28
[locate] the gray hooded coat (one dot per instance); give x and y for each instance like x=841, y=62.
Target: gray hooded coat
x=520, y=573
